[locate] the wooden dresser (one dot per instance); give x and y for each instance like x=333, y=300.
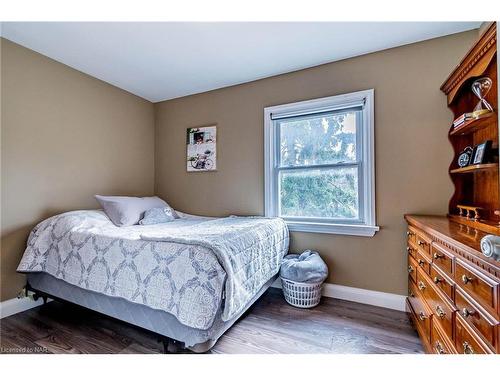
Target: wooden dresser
x=453, y=289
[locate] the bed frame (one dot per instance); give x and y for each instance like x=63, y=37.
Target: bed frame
x=171, y=333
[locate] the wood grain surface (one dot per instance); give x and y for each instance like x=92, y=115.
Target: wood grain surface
x=270, y=326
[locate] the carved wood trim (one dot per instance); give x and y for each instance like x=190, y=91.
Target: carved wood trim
x=459, y=249
x=478, y=262
x=474, y=62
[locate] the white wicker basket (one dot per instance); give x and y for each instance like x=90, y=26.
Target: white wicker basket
x=303, y=295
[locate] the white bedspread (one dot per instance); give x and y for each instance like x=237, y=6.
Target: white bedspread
x=250, y=250
x=182, y=267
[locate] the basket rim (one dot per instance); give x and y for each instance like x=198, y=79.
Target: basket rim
x=301, y=282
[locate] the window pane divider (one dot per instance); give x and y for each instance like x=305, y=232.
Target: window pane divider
x=324, y=220
x=318, y=166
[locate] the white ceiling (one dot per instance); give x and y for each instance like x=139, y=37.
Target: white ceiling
x=160, y=61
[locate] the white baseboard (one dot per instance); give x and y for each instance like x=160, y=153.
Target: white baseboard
x=368, y=297
x=17, y=305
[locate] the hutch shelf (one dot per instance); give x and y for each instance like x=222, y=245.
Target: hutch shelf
x=476, y=168
x=474, y=125
x=475, y=185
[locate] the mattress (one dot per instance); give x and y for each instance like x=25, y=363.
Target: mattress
x=197, y=270
x=163, y=323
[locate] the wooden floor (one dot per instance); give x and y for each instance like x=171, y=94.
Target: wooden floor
x=271, y=326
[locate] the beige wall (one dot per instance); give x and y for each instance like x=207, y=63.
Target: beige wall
x=412, y=150
x=65, y=137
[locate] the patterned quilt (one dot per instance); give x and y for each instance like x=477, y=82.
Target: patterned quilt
x=184, y=267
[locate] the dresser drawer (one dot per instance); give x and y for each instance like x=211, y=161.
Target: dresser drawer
x=412, y=269
x=411, y=249
x=443, y=311
x=423, y=243
x=443, y=282
x=411, y=289
x=440, y=343
x=423, y=262
x=422, y=315
x=479, y=286
x=411, y=235
x=442, y=258
x=476, y=318
x=466, y=341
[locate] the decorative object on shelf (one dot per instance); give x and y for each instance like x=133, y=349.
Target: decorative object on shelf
x=464, y=157
x=480, y=88
x=490, y=246
x=201, y=149
x=497, y=213
x=481, y=153
x=470, y=212
x=463, y=118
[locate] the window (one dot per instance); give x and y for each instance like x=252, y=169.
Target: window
x=319, y=164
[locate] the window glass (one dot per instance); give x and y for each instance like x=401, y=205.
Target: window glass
x=317, y=140
x=319, y=193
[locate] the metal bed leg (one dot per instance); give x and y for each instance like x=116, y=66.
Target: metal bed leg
x=171, y=346
x=36, y=294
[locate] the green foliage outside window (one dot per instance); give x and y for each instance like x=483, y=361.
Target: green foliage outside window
x=328, y=192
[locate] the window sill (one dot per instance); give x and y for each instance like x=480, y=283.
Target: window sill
x=344, y=229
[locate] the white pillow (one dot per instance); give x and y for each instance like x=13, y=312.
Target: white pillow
x=126, y=211
x=158, y=215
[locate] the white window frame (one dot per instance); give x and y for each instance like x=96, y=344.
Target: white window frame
x=366, y=177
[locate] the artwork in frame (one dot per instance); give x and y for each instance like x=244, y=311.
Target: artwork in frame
x=481, y=153
x=202, y=149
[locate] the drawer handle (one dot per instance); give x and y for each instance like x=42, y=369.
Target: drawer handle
x=467, y=348
x=410, y=269
x=466, y=313
x=422, y=316
x=421, y=262
x=467, y=279
x=439, y=348
x=421, y=285
x=408, y=233
x=437, y=280
x=437, y=256
x=410, y=293
x=440, y=312
x=420, y=243
x=408, y=248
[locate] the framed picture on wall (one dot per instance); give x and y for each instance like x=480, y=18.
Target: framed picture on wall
x=202, y=149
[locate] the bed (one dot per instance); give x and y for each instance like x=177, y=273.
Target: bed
x=188, y=280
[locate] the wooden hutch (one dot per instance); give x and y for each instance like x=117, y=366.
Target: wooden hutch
x=453, y=288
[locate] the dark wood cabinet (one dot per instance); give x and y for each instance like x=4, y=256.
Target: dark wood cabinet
x=455, y=305
x=453, y=289
x=476, y=198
